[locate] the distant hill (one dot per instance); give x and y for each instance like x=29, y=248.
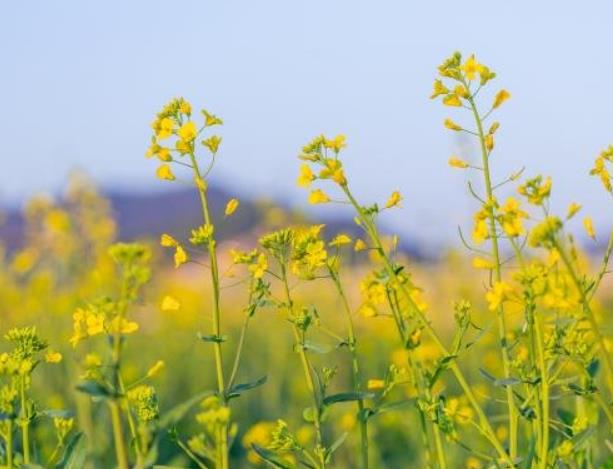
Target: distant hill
x=141, y=214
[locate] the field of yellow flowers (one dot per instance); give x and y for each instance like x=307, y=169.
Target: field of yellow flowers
x=309, y=348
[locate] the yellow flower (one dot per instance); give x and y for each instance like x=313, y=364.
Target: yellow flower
x=53, y=357
x=588, y=224
x=155, y=369
x=375, y=384
x=94, y=323
x=231, y=207
x=452, y=100
x=536, y=190
x=306, y=176
x=336, y=144
x=122, y=326
x=170, y=303
x=394, y=200
x=471, y=67
x=498, y=294
x=480, y=263
x=164, y=154
x=511, y=218
x=211, y=119
x=212, y=143
x=168, y=241
x=188, y=131
x=165, y=173
x=318, y=197
x=92, y=360
x=565, y=449
x=185, y=108
x=359, y=245
x=258, y=268
x=200, y=183
x=489, y=142
x=500, y=98
x=480, y=230
x=439, y=89
x=163, y=128
x=340, y=240
x=180, y=256
x=339, y=177
x=183, y=147
x=461, y=91
x=451, y=125
x=457, y=163
x=573, y=208
x=602, y=172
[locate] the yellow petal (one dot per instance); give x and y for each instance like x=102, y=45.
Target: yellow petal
x=231, y=207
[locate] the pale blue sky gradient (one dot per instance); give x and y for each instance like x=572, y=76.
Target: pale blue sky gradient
x=80, y=82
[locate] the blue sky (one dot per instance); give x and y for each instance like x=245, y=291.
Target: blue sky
x=81, y=82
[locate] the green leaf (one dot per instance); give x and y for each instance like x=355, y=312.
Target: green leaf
x=511, y=381
x=180, y=410
x=157, y=466
x=308, y=414
x=271, y=458
x=238, y=389
x=486, y=375
x=336, y=445
x=95, y=389
x=212, y=338
x=316, y=348
x=593, y=367
x=583, y=437
x=347, y=397
x=74, y=454
x=57, y=413
x=390, y=406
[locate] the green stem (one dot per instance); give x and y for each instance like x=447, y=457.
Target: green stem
x=357, y=377
x=241, y=343
x=9, y=444
x=485, y=426
x=544, y=449
x=191, y=455
x=502, y=332
x=604, y=267
x=535, y=343
x=24, y=421
x=306, y=367
x=442, y=464
x=420, y=384
x=608, y=360
x=224, y=463
x=120, y=445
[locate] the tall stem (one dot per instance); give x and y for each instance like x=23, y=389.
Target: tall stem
x=25, y=421
x=484, y=424
x=306, y=367
x=9, y=444
x=420, y=384
x=536, y=348
x=357, y=376
x=544, y=450
x=224, y=463
x=502, y=332
x=118, y=435
x=608, y=360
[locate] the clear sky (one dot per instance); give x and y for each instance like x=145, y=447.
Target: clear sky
x=80, y=82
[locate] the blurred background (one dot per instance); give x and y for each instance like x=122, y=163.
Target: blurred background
x=81, y=82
